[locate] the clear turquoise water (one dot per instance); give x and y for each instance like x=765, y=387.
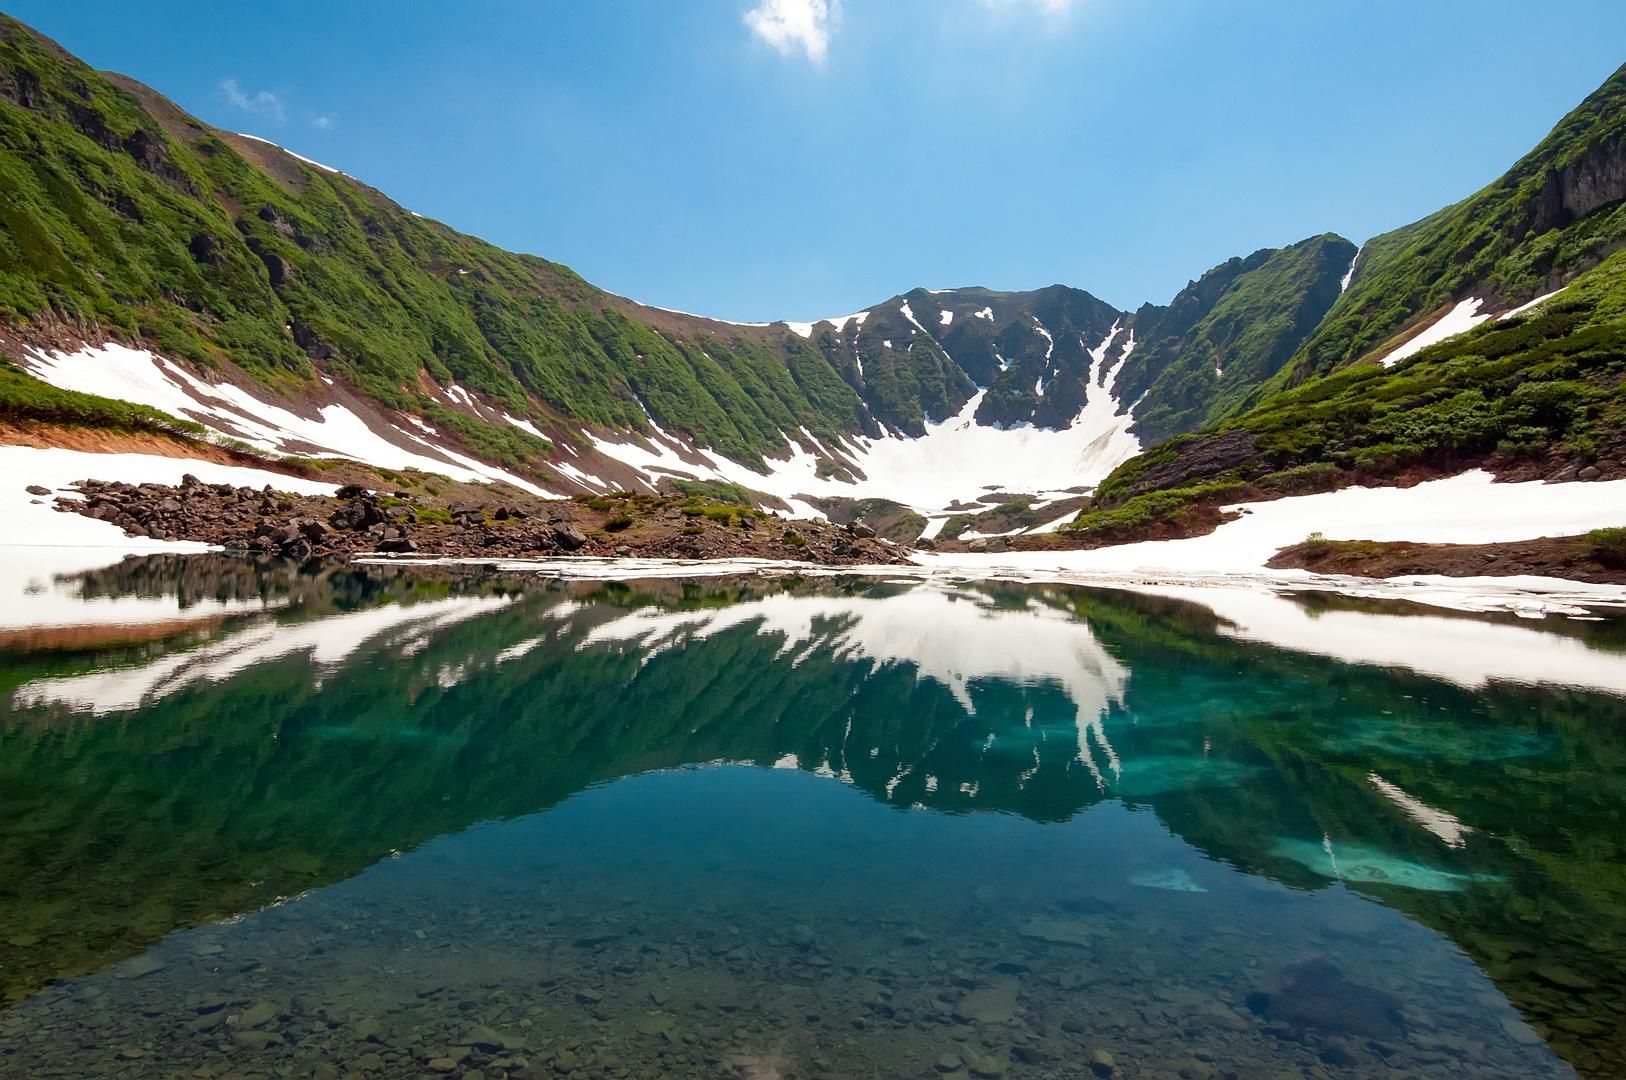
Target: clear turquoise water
x=449, y=823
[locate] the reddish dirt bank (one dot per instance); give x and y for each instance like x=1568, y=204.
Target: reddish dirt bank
x=356, y=520
x=1578, y=558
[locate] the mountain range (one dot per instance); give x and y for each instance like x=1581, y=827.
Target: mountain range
x=148, y=257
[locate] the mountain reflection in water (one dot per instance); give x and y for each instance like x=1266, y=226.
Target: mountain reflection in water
x=1161, y=800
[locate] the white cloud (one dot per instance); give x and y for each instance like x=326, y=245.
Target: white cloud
x=796, y=25
x=324, y=121
x=263, y=102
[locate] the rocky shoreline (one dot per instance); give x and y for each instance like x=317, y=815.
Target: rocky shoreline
x=355, y=521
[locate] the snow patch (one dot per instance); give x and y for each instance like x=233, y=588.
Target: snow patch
x=805, y=329
x=985, y=313
x=27, y=522
x=1529, y=304
x=955, y=459
x=1463, y=509
x=136, y=375
x=1349, y=275
x=944, y=318
x=524, y=425
x=290, y=153
x=1460, y=319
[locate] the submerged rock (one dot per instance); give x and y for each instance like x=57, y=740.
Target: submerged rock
x=991, y=1005
x=1172, y=879
x=1313, y=993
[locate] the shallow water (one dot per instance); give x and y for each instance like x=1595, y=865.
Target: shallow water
x=441, y=822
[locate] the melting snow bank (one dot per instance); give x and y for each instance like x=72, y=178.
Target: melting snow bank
x=1460, y=319
x=29, y=520
x=956, y=459
x=1464, y=509
x=136, y=375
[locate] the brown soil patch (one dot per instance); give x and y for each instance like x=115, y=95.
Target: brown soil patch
x=105, y=441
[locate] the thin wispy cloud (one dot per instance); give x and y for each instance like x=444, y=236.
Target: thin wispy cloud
x=263, y=102
x=324, y=121
x=796, y=26
x=1050, y=8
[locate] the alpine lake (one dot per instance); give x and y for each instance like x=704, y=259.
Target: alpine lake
x=433, y=821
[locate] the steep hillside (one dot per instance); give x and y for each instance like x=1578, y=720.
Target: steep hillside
x=1200, y=358
x=1557, y=212
x=1494, y=333
x=1537, y=393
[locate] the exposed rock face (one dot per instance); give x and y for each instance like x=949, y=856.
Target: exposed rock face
x=1595, y=180
x=281, y=270
x=205, y=248
x=1200, y=456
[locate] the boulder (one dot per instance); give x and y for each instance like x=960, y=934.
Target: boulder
x=568, y=536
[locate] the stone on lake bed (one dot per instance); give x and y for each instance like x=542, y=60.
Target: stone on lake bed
x=1172, y=879
x=140, y=967
x=991, y=1005
x=989, y=1066
x=1313, y=993
x=656, y=1023
x=1080, y=932
x=484, y=1038
x=257, y=1015
x=1520, y=1032
x=1556, y=974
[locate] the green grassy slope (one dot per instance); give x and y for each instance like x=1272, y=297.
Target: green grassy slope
x=1198, y=359
x=125, y=216
x=1554, y=214
x=1539, y=395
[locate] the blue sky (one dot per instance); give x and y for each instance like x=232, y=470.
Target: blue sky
x=760, y=159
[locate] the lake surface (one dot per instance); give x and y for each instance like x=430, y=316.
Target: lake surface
x=397, y=822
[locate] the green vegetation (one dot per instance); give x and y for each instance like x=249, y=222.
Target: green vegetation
x=1552, y=215
x=1547, y=386
x=716, y=491
x=1609, y=545
x=23, y=397
x=1201, y=358
x=126, y=215
x=721, y=513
